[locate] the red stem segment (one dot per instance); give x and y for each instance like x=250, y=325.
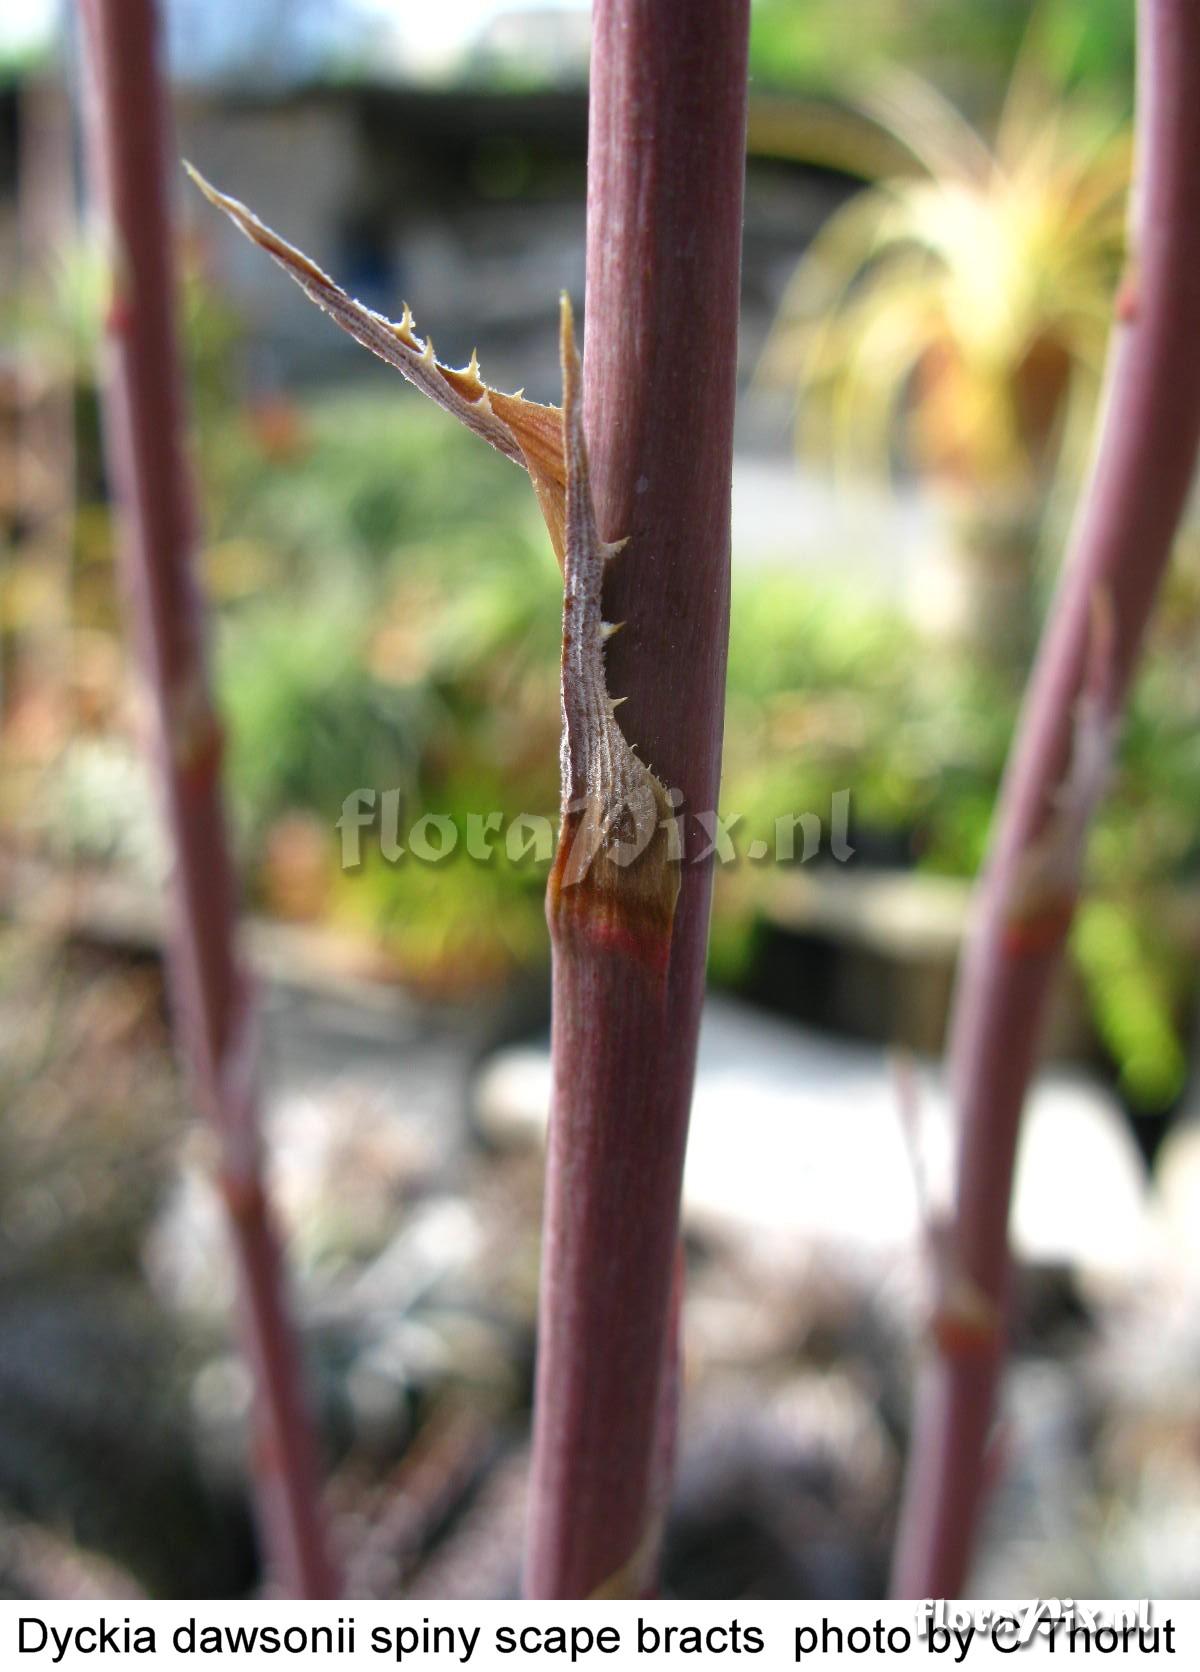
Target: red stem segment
x=145, y=427
x=1119, y=551
x=666, y=164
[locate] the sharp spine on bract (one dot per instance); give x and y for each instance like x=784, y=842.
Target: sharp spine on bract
x=630, y=881
x=524, y=431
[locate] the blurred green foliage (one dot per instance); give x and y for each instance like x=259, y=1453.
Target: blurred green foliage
x=387, y=618
x=955, y=317
x=401, y=634
x=370, y=637
x=969, y=49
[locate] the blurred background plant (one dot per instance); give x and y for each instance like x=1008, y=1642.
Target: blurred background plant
x=952, y=319
x=945, y=325
x=948, y=325
x=385, y=610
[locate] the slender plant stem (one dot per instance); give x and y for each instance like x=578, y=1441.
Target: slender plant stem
x=1118, y=553
x=145, y=433
x=666, y=163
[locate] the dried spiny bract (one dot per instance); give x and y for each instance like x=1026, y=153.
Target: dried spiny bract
x=524, y=431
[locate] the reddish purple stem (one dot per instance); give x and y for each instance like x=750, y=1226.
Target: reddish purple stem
x=666, y=165
x=1119, y=551
x=129, y=152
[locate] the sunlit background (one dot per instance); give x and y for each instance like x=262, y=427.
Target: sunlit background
x=934, y=245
